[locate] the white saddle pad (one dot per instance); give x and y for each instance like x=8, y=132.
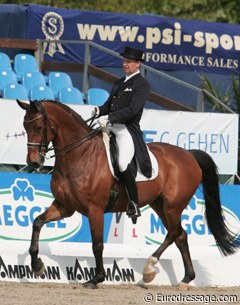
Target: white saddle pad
x=140, y=176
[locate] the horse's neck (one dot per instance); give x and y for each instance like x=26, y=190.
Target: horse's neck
x=69, y=129
x=70, y=132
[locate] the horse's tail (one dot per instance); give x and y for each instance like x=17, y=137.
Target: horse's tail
x=214, y=214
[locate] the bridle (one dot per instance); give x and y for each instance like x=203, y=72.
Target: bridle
x=44, y=139
x=61, y=150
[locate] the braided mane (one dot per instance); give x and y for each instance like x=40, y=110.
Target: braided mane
x=66, y=108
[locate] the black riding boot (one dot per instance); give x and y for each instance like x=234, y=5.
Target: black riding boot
x=129, y=181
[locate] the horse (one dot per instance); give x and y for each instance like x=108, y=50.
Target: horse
x=82, y=181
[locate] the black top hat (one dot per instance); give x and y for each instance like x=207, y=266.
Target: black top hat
x=133, y=53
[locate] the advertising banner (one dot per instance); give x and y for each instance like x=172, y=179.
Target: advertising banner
x=215, y=133
x=168, y=43
x=25, y=196
x=66, y=249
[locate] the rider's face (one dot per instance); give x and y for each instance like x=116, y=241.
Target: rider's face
x=130, y=66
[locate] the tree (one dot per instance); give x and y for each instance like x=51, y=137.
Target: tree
x=227, y=11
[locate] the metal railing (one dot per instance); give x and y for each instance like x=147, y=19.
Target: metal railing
x=89, y=45
x=38, y=46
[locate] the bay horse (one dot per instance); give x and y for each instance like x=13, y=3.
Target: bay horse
x=82, y=181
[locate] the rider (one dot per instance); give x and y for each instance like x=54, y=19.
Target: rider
x=124, y=108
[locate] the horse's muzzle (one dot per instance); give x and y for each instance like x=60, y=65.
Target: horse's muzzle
x=36, y=162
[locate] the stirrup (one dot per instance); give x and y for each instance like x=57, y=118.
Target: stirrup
x=133, y=210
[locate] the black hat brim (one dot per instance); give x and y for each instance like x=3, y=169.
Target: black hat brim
x=131, y=57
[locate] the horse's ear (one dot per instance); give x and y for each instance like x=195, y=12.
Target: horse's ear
x=24, y=106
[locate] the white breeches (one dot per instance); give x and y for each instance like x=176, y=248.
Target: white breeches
x=125, y=145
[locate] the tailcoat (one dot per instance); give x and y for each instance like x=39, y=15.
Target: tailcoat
x=125, y=106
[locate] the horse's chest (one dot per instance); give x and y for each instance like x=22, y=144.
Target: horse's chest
x=60, y=190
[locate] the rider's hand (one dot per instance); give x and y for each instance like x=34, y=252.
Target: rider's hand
x=103, y=121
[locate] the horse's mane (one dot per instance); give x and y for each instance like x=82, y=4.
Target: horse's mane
x=68, y=109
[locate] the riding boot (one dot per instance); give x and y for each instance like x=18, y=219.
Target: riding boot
x=130, y=184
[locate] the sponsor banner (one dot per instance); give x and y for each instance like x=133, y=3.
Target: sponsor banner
x=151, y=231
x=66, y=250
x=211, y=269
x=168, y=43
x=25, y=196
x=215, y=133
x=67, y=270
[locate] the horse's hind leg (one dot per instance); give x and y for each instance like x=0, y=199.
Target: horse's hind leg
x=171, y=221
x=149, y=271
x=51, y=214
x=182, y=244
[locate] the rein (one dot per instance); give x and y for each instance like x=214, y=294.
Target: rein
x=68, y=147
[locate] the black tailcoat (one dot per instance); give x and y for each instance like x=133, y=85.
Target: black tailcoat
x=125, y=105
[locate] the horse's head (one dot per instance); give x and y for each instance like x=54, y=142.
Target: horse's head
x=40, y=132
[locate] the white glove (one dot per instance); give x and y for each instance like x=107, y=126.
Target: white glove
x=103, y=121
x=95, y=112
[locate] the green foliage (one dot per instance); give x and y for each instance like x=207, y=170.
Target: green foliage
x=227, y=97
x=236, y=91
x=227, y=11
x=231, y=97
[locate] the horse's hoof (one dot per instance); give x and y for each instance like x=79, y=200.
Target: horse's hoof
x=183, y=286
x=39, y=268
x=149, y=271
x=90, y=285
x=149, y=277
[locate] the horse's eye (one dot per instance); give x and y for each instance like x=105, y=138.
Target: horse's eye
x=37, y=128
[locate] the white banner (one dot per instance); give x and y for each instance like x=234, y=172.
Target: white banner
x=215, y=133
x=13, y=137
x=69, y=263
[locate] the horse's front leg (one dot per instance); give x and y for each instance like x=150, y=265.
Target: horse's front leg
x=51, y=214
x=36, y=262
x=96, y=220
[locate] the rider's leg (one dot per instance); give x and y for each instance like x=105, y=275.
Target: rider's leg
x=129, y=181
x=125, y=155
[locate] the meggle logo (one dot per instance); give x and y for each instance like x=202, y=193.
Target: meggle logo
x=22, y=188
x=193, y=222
x=21, y=204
